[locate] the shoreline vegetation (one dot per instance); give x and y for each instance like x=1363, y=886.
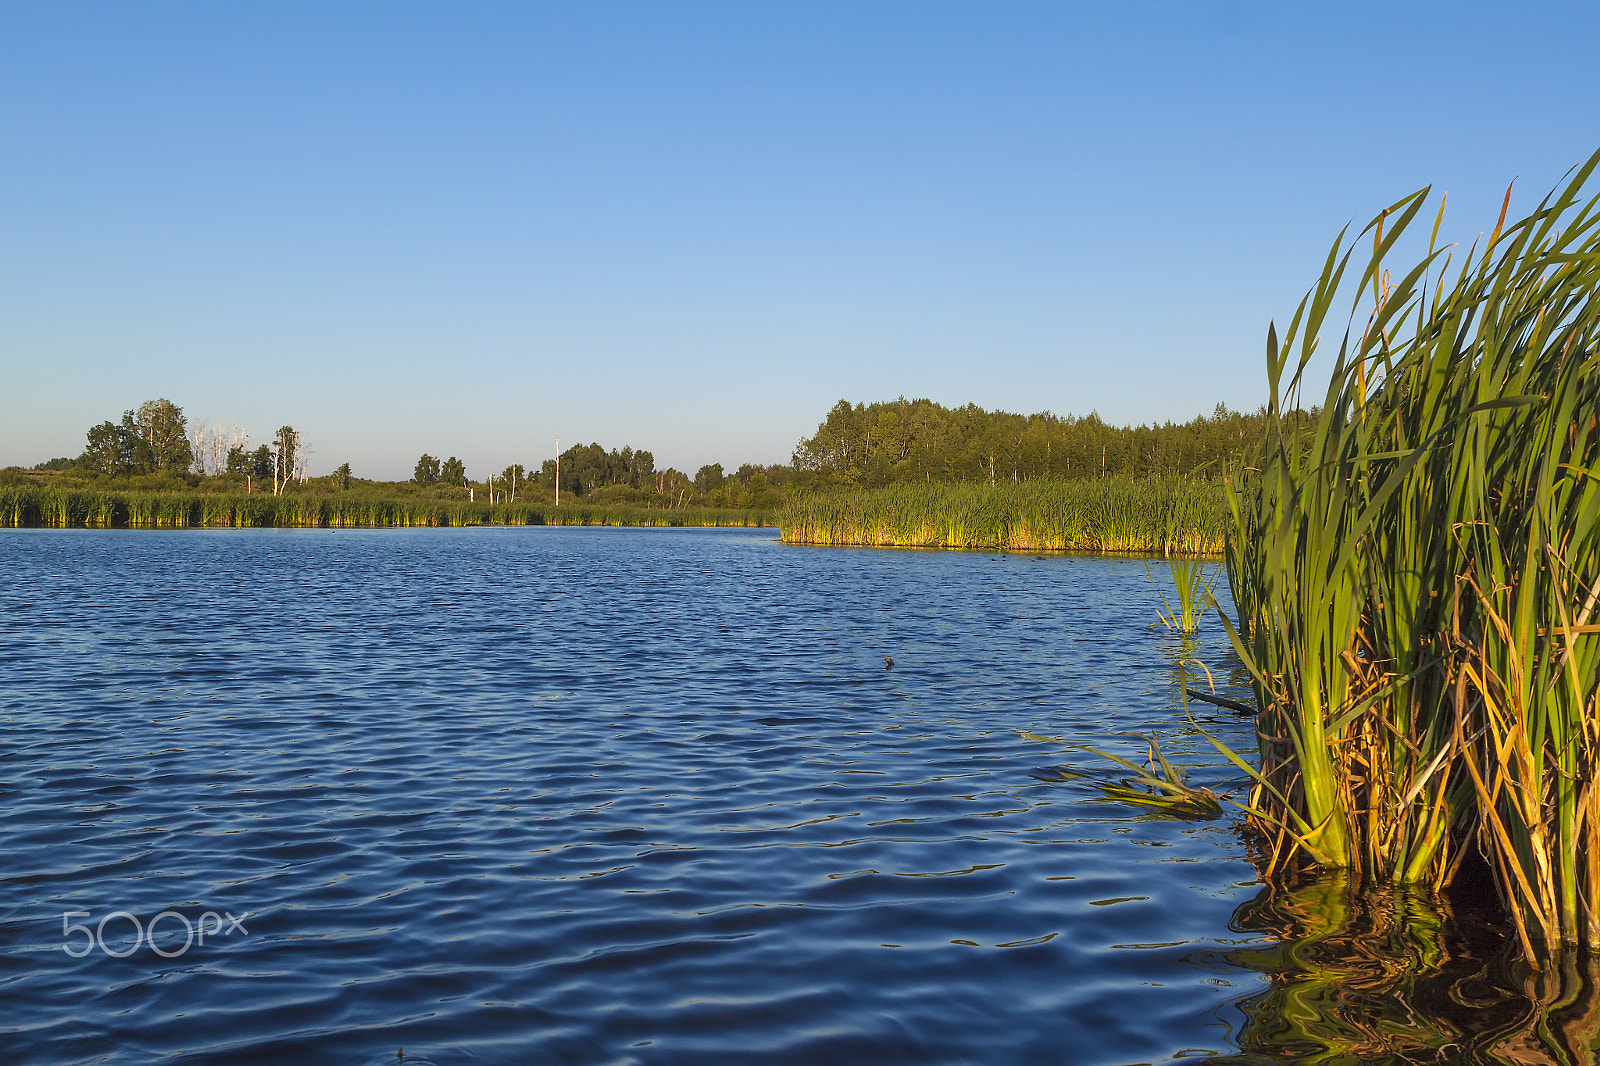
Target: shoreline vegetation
x=93, y=508
x=901, y=473
x=1146, y=517
x=1152, y=517
x=894, y=473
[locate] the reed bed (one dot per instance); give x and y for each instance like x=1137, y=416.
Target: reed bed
x=1417, y=578
x=33, y=506
x=1159, y=517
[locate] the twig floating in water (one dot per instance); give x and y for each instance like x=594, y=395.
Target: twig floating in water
x=1220, y=701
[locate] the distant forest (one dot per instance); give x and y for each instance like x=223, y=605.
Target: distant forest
x=919, y=440
x=864, y=445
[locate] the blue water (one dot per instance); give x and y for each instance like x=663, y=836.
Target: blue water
x=596, y=796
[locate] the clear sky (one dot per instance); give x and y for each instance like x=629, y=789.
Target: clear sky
x=693, y=227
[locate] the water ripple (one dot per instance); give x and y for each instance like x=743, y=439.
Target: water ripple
x=613, y=796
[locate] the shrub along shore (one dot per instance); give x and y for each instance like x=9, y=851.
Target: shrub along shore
x=1154, y=516
x=96, y=508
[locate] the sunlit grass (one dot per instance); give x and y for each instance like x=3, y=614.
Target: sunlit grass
x=1110, y=515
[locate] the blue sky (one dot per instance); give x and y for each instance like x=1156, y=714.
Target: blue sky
x=693, y=227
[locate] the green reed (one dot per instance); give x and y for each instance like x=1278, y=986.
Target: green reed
x=1158, y=787
x=1112, y=515
x=1417, y=570
x=1192, y=581
x=35, y=506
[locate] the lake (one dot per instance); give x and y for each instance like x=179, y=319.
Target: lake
x=600, y=795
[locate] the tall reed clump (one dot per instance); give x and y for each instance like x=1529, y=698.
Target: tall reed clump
x=1111, y=514
x=1417, y=570
x=19, y=506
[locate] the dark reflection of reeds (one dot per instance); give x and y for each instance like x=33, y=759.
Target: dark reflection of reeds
x=1396, y=975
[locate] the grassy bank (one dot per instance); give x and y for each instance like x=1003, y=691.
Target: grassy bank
x=1418, y=590
x=35, y=506
x=1111, y=515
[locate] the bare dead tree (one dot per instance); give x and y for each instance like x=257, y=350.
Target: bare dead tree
x=217, y=445
x=197, y=447
x=212, y=443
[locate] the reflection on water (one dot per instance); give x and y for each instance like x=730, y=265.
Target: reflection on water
x=1396, y=975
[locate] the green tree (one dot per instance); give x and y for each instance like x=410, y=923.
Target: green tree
x=708, y=478
x=153, y=439
x=261, y=463
x=341, y=476
x=453, y=472
x=163, y=434
x=111, y=450
x=586, y=467
x=427, y=471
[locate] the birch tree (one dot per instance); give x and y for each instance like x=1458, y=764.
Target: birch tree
x=197, y=447
x=163, y=434
x=285, y=454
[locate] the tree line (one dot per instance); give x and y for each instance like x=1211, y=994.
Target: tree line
x=861, y=444
x=156, y=439
x=919, y=440
x=582, y=470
